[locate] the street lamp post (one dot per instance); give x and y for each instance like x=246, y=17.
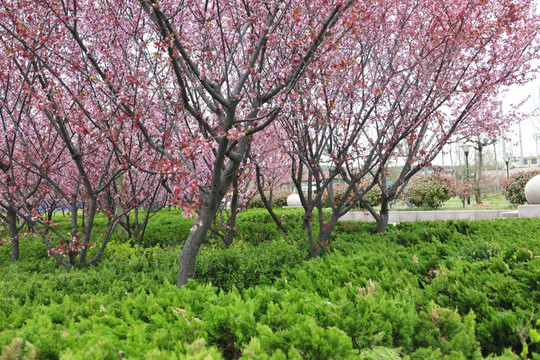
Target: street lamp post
x=466, y=152
x=506, y=160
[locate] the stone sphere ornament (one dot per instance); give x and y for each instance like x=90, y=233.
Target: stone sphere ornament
x=532, y=191
x=293, y=200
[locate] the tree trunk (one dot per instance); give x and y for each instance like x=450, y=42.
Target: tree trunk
x=142, y=228
x=382, y=222
x=50, y=213
x=87, y=230
x=314, y=249
x=126, y=224
x=13, y=234
x=231, y=222
x=268, y=202
x=74, y=219
x=382, y=219
x=186, y=268
x=326, y=230
x=222, y=179
x=119, y=187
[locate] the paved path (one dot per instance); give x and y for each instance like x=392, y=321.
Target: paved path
x=403, y=216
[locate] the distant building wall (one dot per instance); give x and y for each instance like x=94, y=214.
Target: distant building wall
x=528, y=161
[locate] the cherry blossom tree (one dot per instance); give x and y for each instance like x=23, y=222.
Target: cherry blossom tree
x=180, y=89
x=396, y=90
x=236, y=82
x=67, y=133
x=485, y=136
x=264, y=169
x=197, y=80
x=16, y=185
x=471, y=67
x=141, y=194
x=271, y=165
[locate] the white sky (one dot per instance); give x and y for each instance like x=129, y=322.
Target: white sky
x=522, y=143
x=528, y=127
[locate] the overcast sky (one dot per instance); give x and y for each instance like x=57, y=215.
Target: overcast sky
x=530, y=126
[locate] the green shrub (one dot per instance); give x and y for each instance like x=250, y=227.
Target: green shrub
x=429, y=190
x=426, y=290
x=373, y=196
x=444, y=332
x=232, y=325
x=278, y=199
x=244, y=265
x=257, y=226
x=167, y=228
x=19, y=349
x=514, y=187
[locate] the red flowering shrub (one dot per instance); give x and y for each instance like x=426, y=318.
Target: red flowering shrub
x=464, y=190
x=429, y=190
x=514, y=187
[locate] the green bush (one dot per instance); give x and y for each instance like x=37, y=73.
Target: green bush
x=167, y=228
x=244, y=265
x=444, y=333
x=19, y=349
x=426, y=290
x=514, y=187
x=257, y=226
x=373, y=196
x=429, y=190
x=279, y=199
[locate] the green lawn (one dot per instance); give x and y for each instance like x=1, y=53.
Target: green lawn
x=490, y=202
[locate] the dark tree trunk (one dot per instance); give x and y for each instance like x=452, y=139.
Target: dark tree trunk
x=326, y=230
x=50, y=213
x=13, y=233
x=142, y=227
x=268, y=202
x=221, y=182
x=126, y=224
x=186, y=268
x=231, y=229
x=74, y=214
x=314, y=248
x=382, y=219
x=136, y=225
x=88, y=230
